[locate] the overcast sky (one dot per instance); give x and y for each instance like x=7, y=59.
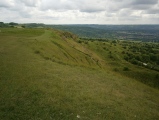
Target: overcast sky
x=80, y=11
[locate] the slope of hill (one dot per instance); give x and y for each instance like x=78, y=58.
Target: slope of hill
x=136, y=60
x=48, y=74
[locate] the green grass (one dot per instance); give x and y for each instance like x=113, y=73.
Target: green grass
x=47, y=76
x=114, y=60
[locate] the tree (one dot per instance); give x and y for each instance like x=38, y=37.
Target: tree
x=12, y=23
x=153, y=57
x=2, y=24
x=145, y=58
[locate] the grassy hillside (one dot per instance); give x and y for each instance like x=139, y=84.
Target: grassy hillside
x=124, y=61
x=48, y=74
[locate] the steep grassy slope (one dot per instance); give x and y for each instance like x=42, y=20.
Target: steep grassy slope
x=44, y=74
x=59, y=47
x=112, y=54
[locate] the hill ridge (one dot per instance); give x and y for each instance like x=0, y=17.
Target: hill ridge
x=35, y=87
x=65, y=46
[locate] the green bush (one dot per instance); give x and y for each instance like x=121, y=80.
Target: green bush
x=79, y=41
x=104, y=48
x=86, y=42
x=145, y=58
x=153, y=57
x=123, y=52
x=157, y=76
x=134, y=61
x=37, y=52
x=126, y=58
x=126, y=69
x=138, y=57
x=115, y=69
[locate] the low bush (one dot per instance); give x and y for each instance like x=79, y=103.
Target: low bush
x=126, y=69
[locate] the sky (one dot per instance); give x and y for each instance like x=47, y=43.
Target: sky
x=80, y=11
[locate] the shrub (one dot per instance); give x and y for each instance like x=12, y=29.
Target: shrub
x=134, y=61
x=79, y=41
x=115, y=69
x=104, y=48
x=123, y=52
x=153, y=57
x=138, y=57
x=110, y=56
x=126, y=58
x=125, y=69
x=145, y=57
x=23, y=26
x=86, y=42
x=37, y=51
x=124, y=47
x=157, y=76
x=114, y=41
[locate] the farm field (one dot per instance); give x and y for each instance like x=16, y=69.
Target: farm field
x=53, y=75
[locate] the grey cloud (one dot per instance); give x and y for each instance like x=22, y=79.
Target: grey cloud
x=141, y=7
x=26, y=13
x=82, y=5
x=131, y=18
x=125, y=12
x=56, y=5
x=143, y=2
x=97, y=5
x=94, y=6
x=91, y=10
x=30, y=3
x=152, y=11
x=131, y=4
x=6, y=3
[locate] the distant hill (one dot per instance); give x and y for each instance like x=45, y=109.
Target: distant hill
x=145, y=33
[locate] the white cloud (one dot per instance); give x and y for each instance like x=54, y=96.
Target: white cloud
x=80, y=11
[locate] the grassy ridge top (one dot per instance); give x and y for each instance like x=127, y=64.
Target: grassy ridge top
x=46, y=74
x=61, y=48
